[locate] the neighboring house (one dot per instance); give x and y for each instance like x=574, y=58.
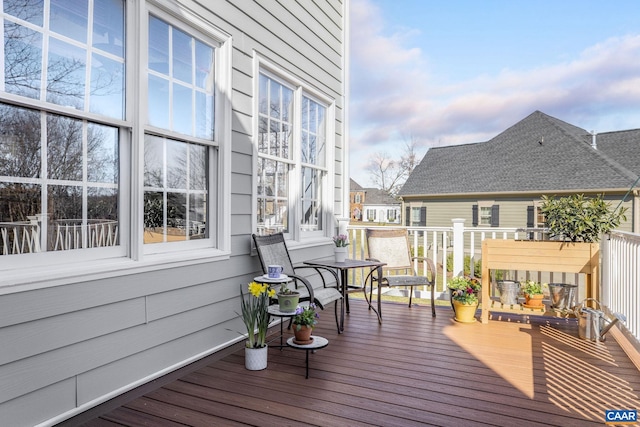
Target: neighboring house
x=380, y=207
x=141, y=144
x=499, y=183
x=373, y=205
x=356, y=202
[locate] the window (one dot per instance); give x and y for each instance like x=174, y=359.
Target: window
x=371, y=215
x=292, y=159
x=416, y=216
x=392, y=215
x=60, y=185
x=358, y=198
x=67, y=140
x=180, y=71
x=485, y=214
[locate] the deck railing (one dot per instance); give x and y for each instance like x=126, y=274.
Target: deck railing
x=24, y=237
x=458, y=245
x=621, y=277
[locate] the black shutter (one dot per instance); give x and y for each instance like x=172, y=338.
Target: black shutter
x=474, y=215
x=530, y=211
x=423, y=216
x=407, y=216
x=495, y=216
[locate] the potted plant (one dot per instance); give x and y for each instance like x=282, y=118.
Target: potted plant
x=575, y=223
x=577, y=218
x=533, y=294
x=287, y=299
x=303, y=322
x=464, y=297
x=256, y=320
x=341, y=241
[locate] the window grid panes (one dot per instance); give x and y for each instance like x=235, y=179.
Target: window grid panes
x=312, y=147
x=275, y=128
x=485, y=215
x=175, y=190
x=70, y=200
x=181, y=81
x=82, y=68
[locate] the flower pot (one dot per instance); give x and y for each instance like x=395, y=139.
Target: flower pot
x=287, y=303
x=255, y=359
x=509, y=290
x=533, y=301
x=302, y=334
x=465, y=313
x=341, y=253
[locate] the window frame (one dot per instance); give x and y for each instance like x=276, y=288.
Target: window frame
x=301, y=90
x=130, y=254
x=219, y=157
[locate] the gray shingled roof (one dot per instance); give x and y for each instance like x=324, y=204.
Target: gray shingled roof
x=354, y=186
x=375, y=196
x=539, y=153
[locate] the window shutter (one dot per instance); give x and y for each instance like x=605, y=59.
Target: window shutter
x=530, y=211
x=495, y=216
x=423, y=216
x=474, y=214
x=407, y=216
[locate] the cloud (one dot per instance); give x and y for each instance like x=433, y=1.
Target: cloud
x=393, y=95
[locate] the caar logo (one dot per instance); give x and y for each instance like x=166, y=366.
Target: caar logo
x=621, y=416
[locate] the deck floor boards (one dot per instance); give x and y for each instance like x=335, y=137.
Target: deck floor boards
x=413, y=370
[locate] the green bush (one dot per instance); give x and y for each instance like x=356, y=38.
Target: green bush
x=477, y=266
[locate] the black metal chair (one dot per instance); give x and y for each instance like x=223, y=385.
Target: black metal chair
x=272, y=250
x=391, y=246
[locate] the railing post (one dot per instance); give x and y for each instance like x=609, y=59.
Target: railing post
x=458, y=246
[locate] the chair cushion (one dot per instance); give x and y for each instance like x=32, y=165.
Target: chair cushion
x=323, y=295
x=402, y=280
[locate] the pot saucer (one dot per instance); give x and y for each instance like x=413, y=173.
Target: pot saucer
x=303, y=342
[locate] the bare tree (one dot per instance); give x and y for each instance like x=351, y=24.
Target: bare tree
x=389, y=174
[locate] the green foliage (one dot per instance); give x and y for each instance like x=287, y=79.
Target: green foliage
x=577, y=218
x=305, y=316
x=530, y=287
x=464, y=289
x=477, y=265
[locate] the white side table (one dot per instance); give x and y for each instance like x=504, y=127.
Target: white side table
x=318, y=343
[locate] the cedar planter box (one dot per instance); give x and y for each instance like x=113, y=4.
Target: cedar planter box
x=546, y=256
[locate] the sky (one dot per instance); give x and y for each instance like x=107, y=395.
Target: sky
x=448, y=72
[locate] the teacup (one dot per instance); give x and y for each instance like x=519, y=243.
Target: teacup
x=274, y=271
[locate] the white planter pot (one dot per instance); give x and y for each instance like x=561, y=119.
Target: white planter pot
x=341, y=253
x=255, y=359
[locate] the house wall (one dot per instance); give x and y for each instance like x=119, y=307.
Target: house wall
x=512, y=213
x=381, y=214
x=71, y=341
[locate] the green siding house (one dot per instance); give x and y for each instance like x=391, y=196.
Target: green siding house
x=499, y=183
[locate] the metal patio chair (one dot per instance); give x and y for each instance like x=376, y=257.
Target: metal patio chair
x=392, y=247
x=272, y=250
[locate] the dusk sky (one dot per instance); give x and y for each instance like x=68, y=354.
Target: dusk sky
x=462, y=71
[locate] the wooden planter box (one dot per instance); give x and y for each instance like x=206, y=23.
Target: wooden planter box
x=546, y=256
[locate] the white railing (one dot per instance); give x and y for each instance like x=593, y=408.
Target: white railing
x=440, y=244
x=621, y=278
x=24, y=237
x=620, y=281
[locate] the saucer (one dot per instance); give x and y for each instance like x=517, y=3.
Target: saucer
x=282, y=277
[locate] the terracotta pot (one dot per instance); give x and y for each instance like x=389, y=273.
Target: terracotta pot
x=303, y=334
x=465, y=313
x=534, y=300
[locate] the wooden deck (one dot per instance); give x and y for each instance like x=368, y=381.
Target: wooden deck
x=411, y=371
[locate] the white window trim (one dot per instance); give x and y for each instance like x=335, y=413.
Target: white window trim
x=219, y=242
x=129, y=257
x=300, y=88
